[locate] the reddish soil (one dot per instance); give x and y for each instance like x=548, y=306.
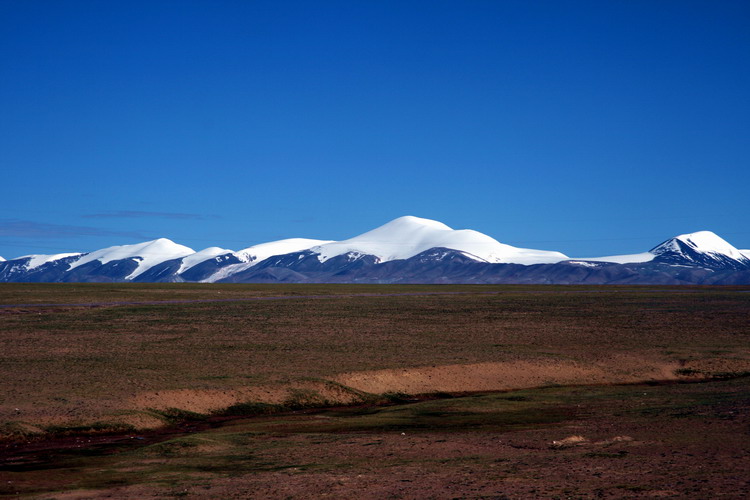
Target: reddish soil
x=85, y=372
x=673, y=441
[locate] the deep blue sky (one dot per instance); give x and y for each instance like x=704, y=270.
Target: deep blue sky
x=587, y=127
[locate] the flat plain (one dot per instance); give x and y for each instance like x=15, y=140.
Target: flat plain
x=353, y=391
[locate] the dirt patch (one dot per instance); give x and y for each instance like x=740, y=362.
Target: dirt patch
x=633, y=441
x=510, y=375
x=299, y=394
x=350, y=388
x=110, y=365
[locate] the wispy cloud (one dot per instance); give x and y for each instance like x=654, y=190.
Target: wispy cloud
x=18, y=228
x=138, y=214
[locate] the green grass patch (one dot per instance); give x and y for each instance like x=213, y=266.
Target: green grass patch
x=178, y=415
x=252, y=409
x=92, y=428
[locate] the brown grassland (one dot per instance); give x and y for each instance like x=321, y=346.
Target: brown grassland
x=357, y=391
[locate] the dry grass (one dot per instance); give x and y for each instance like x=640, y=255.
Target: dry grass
x=664, y=440
x=569, y=441
x=72, y=365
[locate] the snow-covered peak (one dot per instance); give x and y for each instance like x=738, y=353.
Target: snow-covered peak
x=409, y=223
x=408, y=236
x=704, y=249
x=701, y=242
x=149, y=254
x=693, y=247
x=2, y=259
x=257, y=253
x=202, y=256
x=39, y=260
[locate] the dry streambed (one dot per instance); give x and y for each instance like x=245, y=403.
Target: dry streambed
x=364, y=387
x=151, y=410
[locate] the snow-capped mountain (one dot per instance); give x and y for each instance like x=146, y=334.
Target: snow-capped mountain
x=253, y=255
x=408, y=236
x=40, y=268
x=405, y=250
x=144, y=255
x=192, y=260
x=191, y=267
x=703, y=248
x=33, y=261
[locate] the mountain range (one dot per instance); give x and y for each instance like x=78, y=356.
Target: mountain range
x=405, y=250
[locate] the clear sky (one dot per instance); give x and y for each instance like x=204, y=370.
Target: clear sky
x=587, y=127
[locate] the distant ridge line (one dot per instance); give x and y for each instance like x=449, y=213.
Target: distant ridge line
x=406, y=250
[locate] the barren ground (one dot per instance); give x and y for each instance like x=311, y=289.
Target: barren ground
x=110, y=372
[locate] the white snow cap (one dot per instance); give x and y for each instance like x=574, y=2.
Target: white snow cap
x=623, y=259
x=149, y=254
x=258, y=253
x=408, y=236
x=38, y=260
x=703, y=242
x=202, y=256
x=2, y=259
